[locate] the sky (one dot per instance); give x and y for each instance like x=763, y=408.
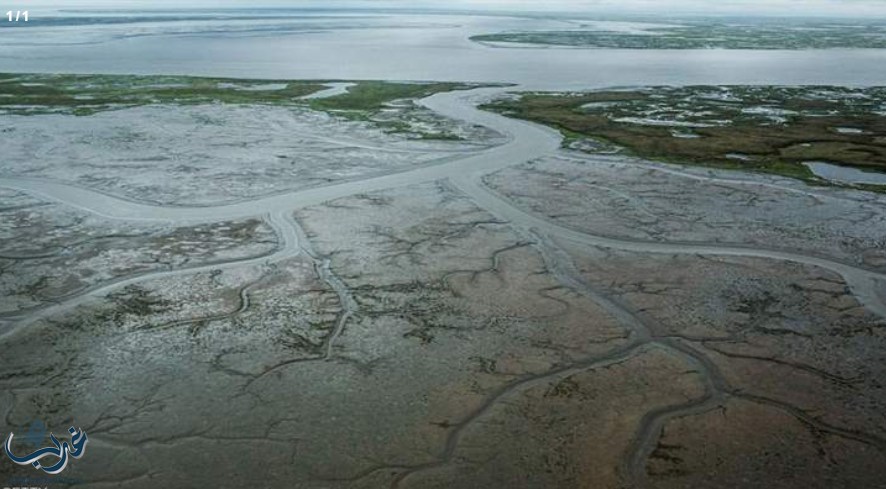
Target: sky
x=841, y=8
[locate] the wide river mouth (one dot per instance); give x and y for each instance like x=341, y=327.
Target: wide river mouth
x=410, y=47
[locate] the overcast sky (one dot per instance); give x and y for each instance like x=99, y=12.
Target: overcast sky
x=862, y=8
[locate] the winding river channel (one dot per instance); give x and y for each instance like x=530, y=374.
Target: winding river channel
x=525, y=142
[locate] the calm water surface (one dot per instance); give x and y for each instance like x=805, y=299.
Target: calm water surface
x=406, y=47
x=845, y=174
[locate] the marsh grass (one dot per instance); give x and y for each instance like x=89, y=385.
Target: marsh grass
x=88, y=94
x=776, y=128
x=737, y=33
x=85, y=95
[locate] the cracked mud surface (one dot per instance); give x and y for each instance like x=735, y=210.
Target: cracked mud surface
x=49, y=252
x=779, y=447
x=625, y=199
x=786, y=338
x=515, y=317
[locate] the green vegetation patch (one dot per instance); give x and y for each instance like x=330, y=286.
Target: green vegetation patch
x=89, y=94
x=368, y=100
x=386, y=105
x=731, y=34
x=768, y=129
x=372, y=96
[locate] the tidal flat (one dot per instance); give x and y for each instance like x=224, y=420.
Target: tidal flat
x=359, y=284
x=192, y=141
